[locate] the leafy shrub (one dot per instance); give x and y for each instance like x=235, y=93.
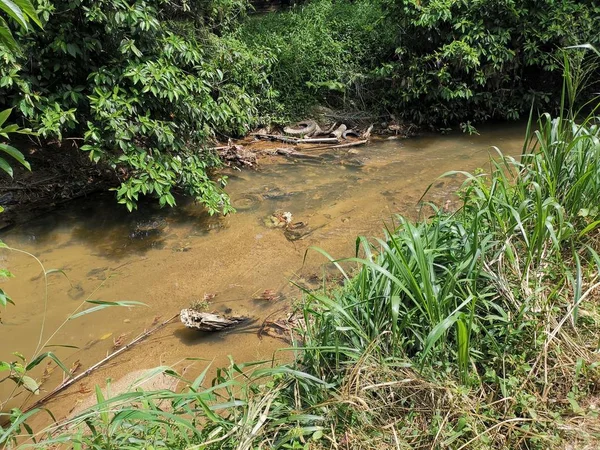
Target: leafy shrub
x=146, y=84
x=459, y=61
x=431, y=62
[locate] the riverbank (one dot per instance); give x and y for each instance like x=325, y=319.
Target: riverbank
x=59, y=173
x=90, y=239
x=471, y=329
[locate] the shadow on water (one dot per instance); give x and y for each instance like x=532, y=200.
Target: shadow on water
x=189, y=337
x=113, y=232
x=110, y=231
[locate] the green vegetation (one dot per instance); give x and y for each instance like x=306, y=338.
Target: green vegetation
x=476, y=328
x=22, y=13
x=324, y=52
x=434, y=63
x=145, y=86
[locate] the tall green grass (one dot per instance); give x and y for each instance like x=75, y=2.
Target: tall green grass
x=429, y=290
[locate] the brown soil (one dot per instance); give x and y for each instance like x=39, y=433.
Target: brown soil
x=59, y=173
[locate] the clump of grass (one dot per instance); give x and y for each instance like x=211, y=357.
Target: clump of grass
x=488, y=298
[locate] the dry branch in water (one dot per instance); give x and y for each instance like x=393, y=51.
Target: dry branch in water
x=204, y=321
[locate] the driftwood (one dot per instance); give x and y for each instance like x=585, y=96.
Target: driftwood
x=367, y=134
x=276, y=137
x=350, y=144
x=339, y=131
x=204, y=321
x=237, y=155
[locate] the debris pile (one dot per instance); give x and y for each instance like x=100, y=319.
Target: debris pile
x=236, y=155
x=309, y=132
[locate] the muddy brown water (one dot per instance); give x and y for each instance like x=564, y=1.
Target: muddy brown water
x=169, y=258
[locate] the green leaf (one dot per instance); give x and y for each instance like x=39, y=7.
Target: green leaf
x=29, y=10
x=30, y=384
x=43, y=356
x=15, y=12
x=6, y=167
x=5, y=299
x=103, y=305
x=4, y=115
x=6, y=36
x=589, y=228
x=15, y=154
x=6, y=273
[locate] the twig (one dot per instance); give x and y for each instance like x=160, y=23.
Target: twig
x=289, y=152
x=71, y=381
x=332, y=140
x=351, y=144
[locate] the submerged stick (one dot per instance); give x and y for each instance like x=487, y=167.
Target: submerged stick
x=71, y=381
x=289, y=152
x=351, y=144
x=319, y=141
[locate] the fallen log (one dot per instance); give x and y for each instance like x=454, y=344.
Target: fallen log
x=339, y=131
x=204, y=321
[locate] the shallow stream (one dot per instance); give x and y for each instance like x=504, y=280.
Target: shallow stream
x=169, y=258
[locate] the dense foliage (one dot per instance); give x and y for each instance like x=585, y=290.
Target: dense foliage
x=22, y=13
x=145, y=83
x=475, y=60
x=431, y=62
x=324, y=51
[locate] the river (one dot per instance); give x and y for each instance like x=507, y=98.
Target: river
x=230, y=260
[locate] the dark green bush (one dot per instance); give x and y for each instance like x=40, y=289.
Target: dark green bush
x=476, y=60
x=431, y=62
x=145, y=83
